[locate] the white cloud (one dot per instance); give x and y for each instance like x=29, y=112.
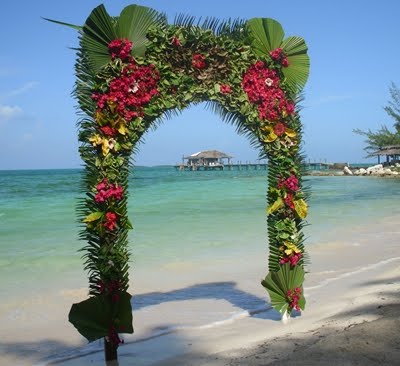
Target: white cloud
x=24, y=88
x=329, y=99
x=8, y=112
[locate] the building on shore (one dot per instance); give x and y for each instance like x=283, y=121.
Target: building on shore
x=391, y=152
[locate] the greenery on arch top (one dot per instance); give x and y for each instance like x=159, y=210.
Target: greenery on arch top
x=135, y=69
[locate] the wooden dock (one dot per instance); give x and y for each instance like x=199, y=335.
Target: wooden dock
x=253, y=166
x=238, y=166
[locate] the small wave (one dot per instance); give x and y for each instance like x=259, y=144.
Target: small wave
x=348, y=274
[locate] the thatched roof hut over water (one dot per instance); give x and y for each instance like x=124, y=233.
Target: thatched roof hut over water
x=392, y=151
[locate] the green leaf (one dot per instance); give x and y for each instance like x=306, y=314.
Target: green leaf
x=98, y=32
x=93, y=216
x=73, y=26
x=134, y=23
x=298, y=70
x=267, y=34
x=92, y=317
x=280, y=282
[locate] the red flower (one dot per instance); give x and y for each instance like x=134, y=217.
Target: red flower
x=278, y=56
x=293, y=259
x=261, y=85
x=291, y=183
x=293, y=297
x=198, y=61
x=120, y=48
x=226, y=89
x=111, y=222
x=176, y=42
x=131, y=91
x=279, y=129
x=102, y=185
x=109, y=131
x=289, y=201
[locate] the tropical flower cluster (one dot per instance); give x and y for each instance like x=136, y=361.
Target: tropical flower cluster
x=293, y=297
x=107, y=191
x=290, y=253
x=129, y=92
x=262, y=86
x=279, y=56
x=120, y=48
x=199, y=61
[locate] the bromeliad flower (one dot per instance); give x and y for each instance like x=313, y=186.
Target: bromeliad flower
x=280, y=129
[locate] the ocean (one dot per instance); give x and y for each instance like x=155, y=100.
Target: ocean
x=189, y=227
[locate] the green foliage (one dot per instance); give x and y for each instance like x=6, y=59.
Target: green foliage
x=376, y=140
x=384, y=137
x=91, y=317
x=393, y=107
x=279, y=283
x=266, y=35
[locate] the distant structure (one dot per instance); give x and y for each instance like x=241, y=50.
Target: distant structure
x=206, y=160
x=392, y=151
x=216, y=160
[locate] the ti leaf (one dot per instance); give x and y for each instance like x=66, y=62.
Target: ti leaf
x=92, y=317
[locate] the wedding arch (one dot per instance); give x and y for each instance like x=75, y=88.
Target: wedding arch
x=134, y=69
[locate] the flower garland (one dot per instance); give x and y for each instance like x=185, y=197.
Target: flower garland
x=174, y=66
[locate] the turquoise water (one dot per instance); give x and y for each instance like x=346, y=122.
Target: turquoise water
x=177, y=216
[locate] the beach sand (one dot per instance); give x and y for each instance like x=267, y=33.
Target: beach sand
x=352, y=314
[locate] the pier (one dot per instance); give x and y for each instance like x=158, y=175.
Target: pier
x=218, y=166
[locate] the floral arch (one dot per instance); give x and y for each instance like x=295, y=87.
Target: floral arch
x=136, y=68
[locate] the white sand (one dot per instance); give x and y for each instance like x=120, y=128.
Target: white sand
x=348, y=280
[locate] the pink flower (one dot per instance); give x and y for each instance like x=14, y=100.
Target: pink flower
x=226, y=89
x=293, y=298
x=198, y=61
x=111, y=221
x=102, y=185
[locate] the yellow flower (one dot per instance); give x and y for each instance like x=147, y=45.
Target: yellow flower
x=106, y=144
x=272, y=133
x=291, y=248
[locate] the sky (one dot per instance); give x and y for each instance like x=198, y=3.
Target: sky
x=354, y=51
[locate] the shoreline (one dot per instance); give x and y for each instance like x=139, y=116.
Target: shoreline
x=368, y=292
x=337, y=282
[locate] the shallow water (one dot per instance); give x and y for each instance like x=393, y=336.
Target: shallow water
x=196, y=234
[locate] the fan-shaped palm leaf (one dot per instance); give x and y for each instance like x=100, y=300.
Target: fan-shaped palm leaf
x=279, y=283
x=134, y=23
x=266, y=35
